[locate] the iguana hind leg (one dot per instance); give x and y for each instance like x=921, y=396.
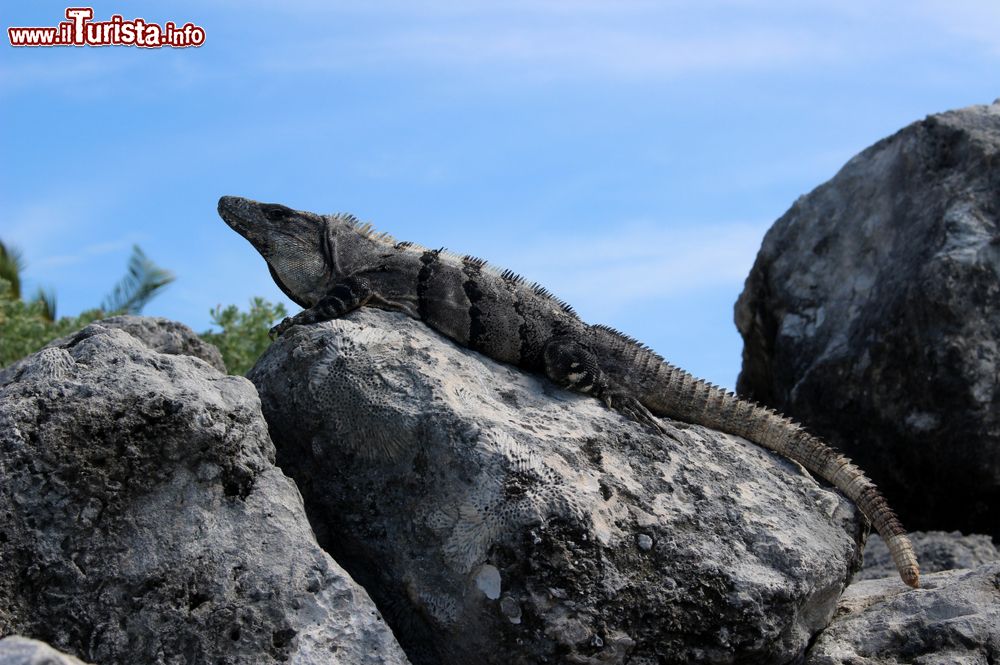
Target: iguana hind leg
x=346, y=295
x=573, y=366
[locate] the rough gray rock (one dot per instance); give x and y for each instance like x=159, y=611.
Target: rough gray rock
x=157, y=333
x=953, y=619
x=17, y=650
x=496, y=518
x=871, y=315
x=936, y=551
x=142, y=519
x=163, y=335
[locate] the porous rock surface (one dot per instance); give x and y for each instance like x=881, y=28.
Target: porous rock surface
x=158, y=333
x=142, y=519
x=17, y=650
x=953, y=619
x=163, y=335
x=496, y=518
x=871, y=315
x=936, y=551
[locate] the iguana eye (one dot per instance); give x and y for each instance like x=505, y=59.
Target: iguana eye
x=275, y=212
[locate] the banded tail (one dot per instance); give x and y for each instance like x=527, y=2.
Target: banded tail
x=683, y=397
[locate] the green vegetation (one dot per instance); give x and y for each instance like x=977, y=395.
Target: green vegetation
x=140, y=284
x=11, y=266
x=26, y=326
x=244, y=334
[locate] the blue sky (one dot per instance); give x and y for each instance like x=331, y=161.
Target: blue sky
x=628, y=155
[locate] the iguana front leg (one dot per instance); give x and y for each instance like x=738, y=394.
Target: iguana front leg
x=346, y=295
x=571, y=365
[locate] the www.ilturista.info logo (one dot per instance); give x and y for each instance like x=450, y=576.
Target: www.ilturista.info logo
x=80, y=30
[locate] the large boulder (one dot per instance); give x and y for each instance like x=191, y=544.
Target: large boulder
x=871, y=315
x=142, y=519
x=496, y=518
x=953, y=619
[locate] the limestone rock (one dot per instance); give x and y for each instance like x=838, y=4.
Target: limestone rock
x=936, y=551
x=496, y=518
x=871, y=315
x=157, y=333
x=954, y=618
x=142, y=519
x=164, y=336
x=17, y=650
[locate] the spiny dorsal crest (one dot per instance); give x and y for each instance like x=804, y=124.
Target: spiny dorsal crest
x=540, y=290
x=631, y=341
x=365, y=229
x=511, y=276
x=474, y=262
x=566, y=307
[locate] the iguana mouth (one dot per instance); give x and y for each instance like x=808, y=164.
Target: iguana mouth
x=229, y=211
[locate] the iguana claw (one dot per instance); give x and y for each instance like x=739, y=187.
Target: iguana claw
x=275, y=332
x=634, y=409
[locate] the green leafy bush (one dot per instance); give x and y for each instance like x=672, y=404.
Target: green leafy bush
x=243, y=336
x=25, y=328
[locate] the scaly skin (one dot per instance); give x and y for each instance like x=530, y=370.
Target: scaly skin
x=331, y=265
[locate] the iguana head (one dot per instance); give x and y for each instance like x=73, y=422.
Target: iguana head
x=295, y=244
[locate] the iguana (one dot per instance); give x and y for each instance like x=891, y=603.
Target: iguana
x=333, y=264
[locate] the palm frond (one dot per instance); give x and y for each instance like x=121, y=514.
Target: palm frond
x=141, y=283
x=11, y=266
x=47, y=299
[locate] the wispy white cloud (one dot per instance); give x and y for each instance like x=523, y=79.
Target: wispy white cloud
x=68, y=73
x=975, y=21
x=534, y=39
x=619, y=52
x=69, y=217
x=640, y=261
x=564, y=51
x=29, y=226
x=89, y=252
x=812, y=167
x=648, y=40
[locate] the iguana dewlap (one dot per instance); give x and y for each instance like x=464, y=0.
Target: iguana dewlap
x=332, y=264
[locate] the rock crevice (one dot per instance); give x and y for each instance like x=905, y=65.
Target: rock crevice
x=142, y=518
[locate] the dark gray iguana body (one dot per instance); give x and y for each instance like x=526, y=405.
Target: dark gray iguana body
x=331, y=264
